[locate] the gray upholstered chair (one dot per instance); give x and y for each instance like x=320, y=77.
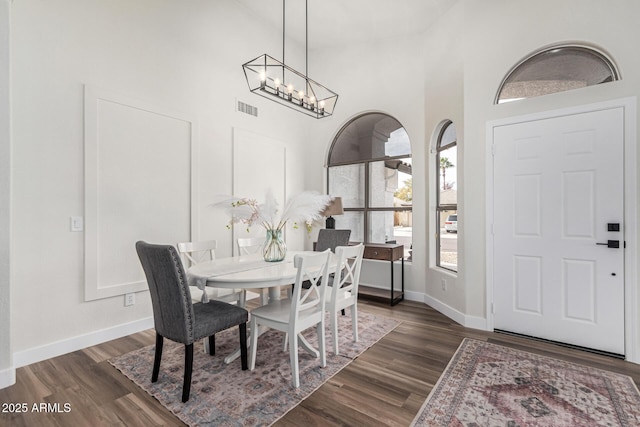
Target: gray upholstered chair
x=174, y=315
x=331, y=238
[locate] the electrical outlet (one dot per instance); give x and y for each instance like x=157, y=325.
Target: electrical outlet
x=129, y=299
x=444, y=284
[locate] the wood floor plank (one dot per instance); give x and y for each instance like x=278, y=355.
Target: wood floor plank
x=385, y=386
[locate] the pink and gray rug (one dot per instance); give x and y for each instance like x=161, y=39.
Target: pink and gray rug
x=491, y=385
x=224, y=395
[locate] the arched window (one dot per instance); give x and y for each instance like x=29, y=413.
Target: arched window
x=447, y=197
x=556, y=69
x=369, y=167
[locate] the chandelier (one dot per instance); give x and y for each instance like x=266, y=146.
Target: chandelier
x=274, y=80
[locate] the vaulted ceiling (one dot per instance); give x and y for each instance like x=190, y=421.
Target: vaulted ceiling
x=335, y=22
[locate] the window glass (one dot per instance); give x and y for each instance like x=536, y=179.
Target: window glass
x=556, y=69
x=347, y=181
x=381, y=226
x=370, y=168
x=354, y=221
x=390, y=183
x=446, y=219
x=370, y=136
x=448, y=240
x=391, y=227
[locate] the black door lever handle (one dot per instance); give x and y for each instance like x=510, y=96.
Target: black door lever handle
x=615, y=244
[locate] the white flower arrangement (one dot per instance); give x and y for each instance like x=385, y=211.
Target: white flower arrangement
x=305, y=207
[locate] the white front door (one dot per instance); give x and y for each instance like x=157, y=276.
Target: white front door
x=558, y=197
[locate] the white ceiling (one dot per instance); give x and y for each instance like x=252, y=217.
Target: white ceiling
x=335, y=22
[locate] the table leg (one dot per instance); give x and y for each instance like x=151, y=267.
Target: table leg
x=274, y=293
x=302, y=342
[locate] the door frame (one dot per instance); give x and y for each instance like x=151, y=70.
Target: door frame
x=632, y=353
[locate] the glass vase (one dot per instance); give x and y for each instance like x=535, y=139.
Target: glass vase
x=274, y=248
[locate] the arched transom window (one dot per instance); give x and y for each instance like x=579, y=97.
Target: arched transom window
x=556, y=69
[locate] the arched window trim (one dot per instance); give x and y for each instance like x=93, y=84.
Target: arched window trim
x=603, y=56
x=440, y=207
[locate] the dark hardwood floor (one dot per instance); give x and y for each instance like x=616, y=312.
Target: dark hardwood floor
x=385, y=386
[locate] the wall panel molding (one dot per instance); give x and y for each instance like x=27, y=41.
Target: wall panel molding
x=140, y=184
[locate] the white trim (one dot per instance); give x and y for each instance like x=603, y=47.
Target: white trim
x=47, y=351
x=467, y=321
x=7, y=372
x=630, y=203
x=93, y=96
x=631, y=231
x=414, y=296
x=7, y=377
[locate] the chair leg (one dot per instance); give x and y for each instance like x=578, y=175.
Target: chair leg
x=158, y=356
x=254, y=343
x=212, y=345
x=188, y=368
x=243, y=345
x=293, y=359
x=322, y=348
x=354, y=321
x=334, y=330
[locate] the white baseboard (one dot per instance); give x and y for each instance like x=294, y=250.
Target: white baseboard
x=47, y=351
x=467, y=321
x=7, y=377
x=473, y=322
x=414, y=296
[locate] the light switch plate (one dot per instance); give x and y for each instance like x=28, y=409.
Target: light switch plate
x=77, y=223
x=129, y=299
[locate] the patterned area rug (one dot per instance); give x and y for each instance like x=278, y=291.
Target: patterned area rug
x=491, y=385
x=224, y=395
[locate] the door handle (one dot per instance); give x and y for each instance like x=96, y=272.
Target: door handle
x=615, y=244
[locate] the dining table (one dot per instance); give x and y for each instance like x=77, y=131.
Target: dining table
x=250, y=272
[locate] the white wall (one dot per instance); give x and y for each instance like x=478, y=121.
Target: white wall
x=180, y=56
x=7, y=375
x=499, y=33
x=383, y=77
x=444, y=94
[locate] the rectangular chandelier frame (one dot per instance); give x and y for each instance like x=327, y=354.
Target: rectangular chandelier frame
x=276, y=81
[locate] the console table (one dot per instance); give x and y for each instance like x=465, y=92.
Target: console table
x=384, y=252
x=391, y=252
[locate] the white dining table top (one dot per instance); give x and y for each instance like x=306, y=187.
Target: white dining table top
x=244, y=271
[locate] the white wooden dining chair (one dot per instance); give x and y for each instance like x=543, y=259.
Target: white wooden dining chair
x=249, y=245
x=193, y=253
x=343, y=292
x=293, y=315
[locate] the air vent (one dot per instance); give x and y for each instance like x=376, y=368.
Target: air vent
x=247, y=109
